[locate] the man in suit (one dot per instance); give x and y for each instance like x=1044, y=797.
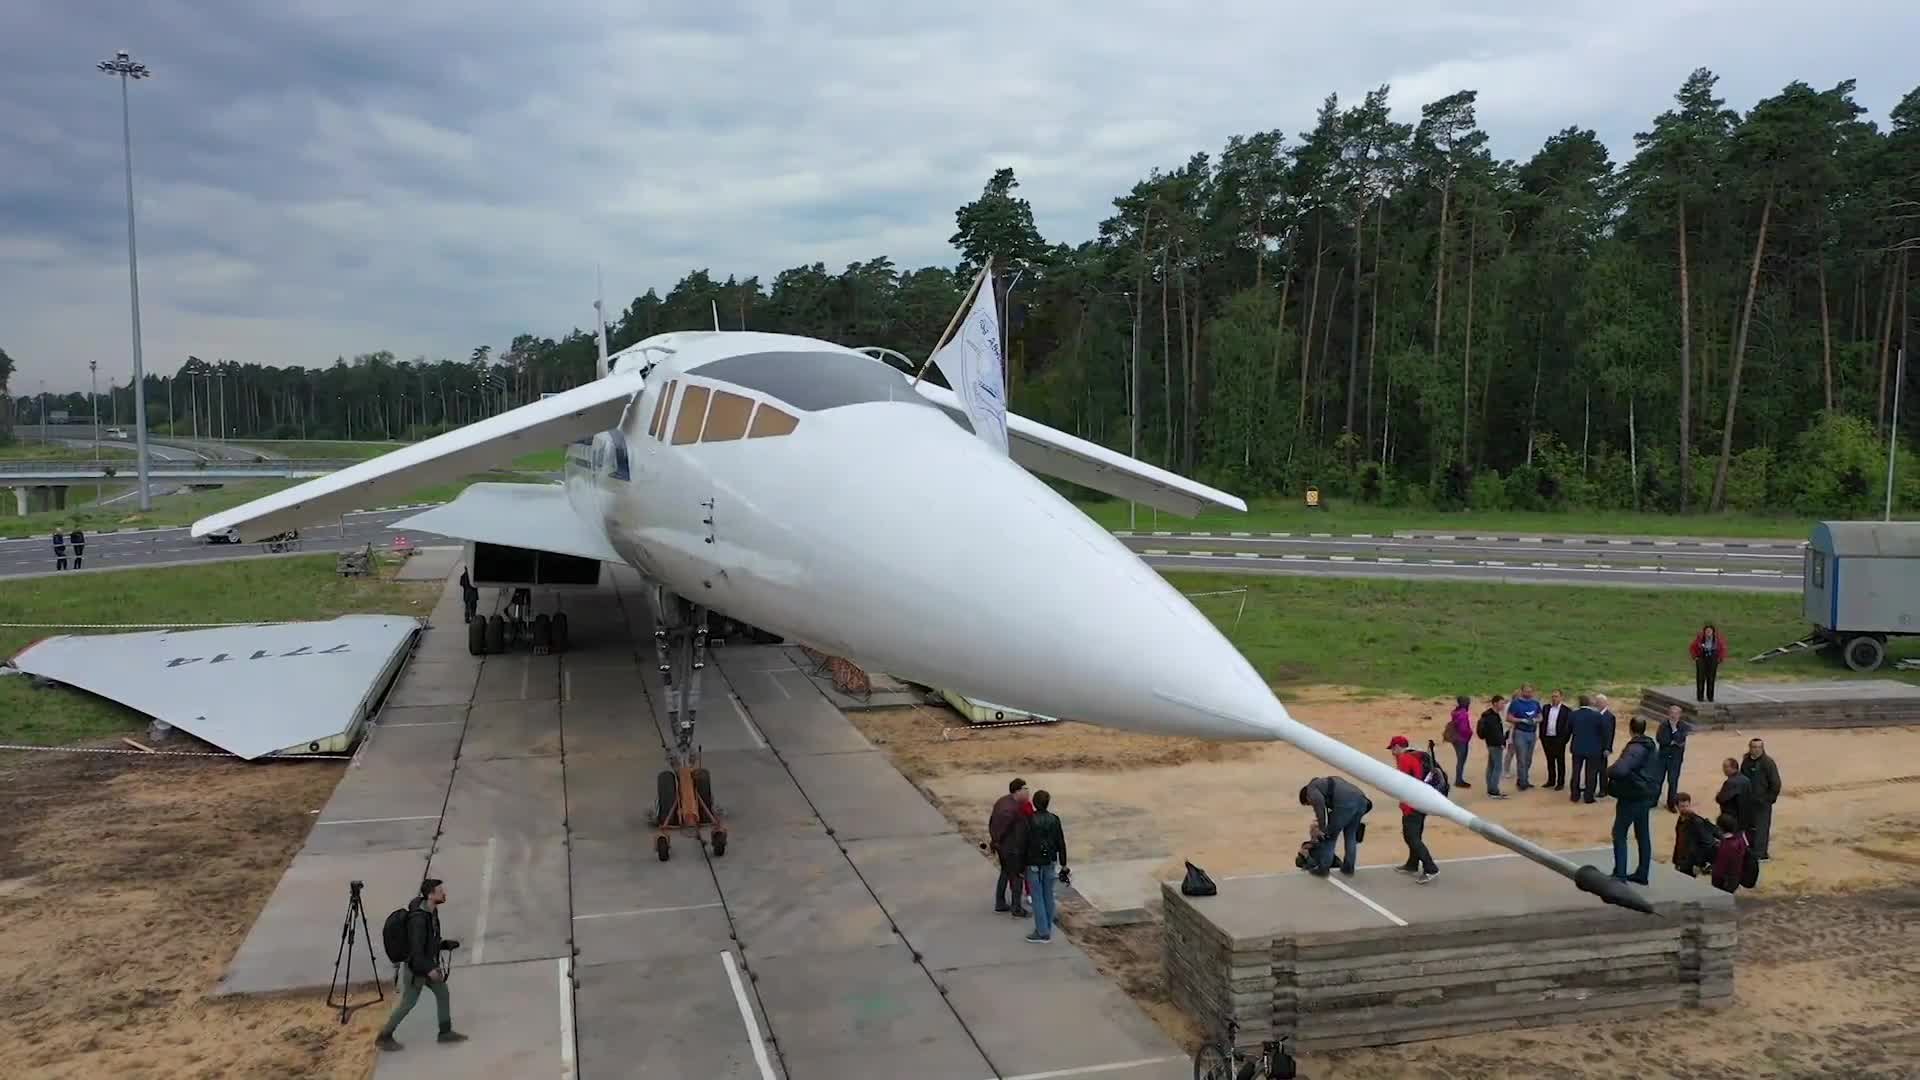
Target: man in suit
x=1554, y=733
x=1587, y=738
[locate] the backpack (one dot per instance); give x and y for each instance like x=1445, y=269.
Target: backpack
x=1197, y=883
x=1431, y=773
x=393, y=934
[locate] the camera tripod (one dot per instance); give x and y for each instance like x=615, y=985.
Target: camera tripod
x=343, y=960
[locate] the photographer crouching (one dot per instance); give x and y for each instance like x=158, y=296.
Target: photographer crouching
x=413, y=932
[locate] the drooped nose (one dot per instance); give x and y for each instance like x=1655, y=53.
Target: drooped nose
x=987, y=582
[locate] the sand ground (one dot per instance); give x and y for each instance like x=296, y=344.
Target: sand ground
x=126, y=884
x=1829, y=966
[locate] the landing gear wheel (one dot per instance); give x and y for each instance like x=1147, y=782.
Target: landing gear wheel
x=496, y=634
x=666, y=795
x=1864, y=653
x=719, y=842
x=703, y=787
x=662, y=848
x=542, y=633
x=476, y=637
x=560, y=631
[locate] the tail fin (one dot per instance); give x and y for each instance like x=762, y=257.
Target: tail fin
x=600, y=326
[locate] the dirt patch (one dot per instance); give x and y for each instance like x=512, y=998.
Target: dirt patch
x=126, y=884
x=1824, y=973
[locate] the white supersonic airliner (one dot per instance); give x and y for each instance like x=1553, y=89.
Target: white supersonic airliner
x=816, y=492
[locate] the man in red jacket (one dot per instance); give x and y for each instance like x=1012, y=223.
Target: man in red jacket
x=1413, y=823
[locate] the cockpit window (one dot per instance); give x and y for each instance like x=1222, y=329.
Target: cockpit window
x=659, y=407
x=666, y=406
x=727, y=417
x=769, y=422
x=813, y=381
x=693, y=412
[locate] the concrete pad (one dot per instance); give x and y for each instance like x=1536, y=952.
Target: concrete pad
x=519, y=676
x=796, y=893
x=939, y=892
x=612, y=678
x=867, y=1014
x=429, y=563
x=504, y=797
x=510, y=1013
x=377, y=789
x=360, y=835
x=1059, y=1013
x=756, y=796
x=611, y=798
x=623, y=875
x=804, y=724
x=609, y=728
x=506, y=729
x=507, y=898
x=435, y=682
x=1121, y=892
x=652, y=933
x=861, y=796
x=445, y=639
x=295, y=939
x=669, y=1018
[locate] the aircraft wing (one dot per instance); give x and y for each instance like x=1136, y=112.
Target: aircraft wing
x=1052, y=452
x=496, y=440
x=533, y=516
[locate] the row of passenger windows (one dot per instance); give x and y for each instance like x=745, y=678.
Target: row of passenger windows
x=708, y=415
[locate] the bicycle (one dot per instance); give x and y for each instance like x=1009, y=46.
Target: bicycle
x=1224, y=1060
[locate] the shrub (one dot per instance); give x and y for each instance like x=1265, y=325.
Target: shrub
x=1489, y=491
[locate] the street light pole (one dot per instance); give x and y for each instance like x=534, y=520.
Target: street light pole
x=93, y=395
x=126, y=67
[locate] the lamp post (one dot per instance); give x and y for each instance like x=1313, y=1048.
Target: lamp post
x=126, y=67
x=93, y=396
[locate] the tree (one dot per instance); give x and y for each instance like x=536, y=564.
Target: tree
x=999, y=226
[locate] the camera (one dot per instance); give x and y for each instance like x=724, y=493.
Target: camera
x=354, y=887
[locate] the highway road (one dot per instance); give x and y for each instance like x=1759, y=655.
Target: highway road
x=168, y=546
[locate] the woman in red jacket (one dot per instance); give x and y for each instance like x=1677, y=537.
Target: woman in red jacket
x=1708, y=649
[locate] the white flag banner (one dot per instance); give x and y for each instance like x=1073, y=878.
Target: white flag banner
x=971, y=362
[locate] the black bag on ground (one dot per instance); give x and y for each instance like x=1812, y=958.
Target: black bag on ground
x=1197, y=883
x=393, y=935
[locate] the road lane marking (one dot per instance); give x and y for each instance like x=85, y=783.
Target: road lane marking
x=1358, y=895
x=746, y=1017
x=486, y=891
x=648, y=911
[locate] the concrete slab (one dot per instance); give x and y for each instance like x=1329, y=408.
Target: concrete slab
x=429, y=563
x=362, y=835
x=507, y=729
x=620, y=937
x=611, y=797
x=756, y=796
x=622, y=875
x=295, y=939
x=803, y=724
x=380, y=789
x=434, y=682
x=611, y=727
x=861, y=796
x=502, y=797
x=796, y=893
x=512, y=1014
x=939, y=893
x=867, y=1014
x=1121, y=892
x=519, y=677
x=507, y=898
x=669, y=1018
x=608, y=678
x=1057, y=1016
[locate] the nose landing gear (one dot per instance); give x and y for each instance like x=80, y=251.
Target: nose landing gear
x=683, y=796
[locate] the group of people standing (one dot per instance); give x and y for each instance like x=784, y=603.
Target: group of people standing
x=1029, y=843
x=1576, y=741
x=77, y=539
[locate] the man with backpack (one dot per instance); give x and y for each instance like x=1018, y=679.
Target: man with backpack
x=1636, y=787
x=412, y=939
x=1413, y=823
x=1339, y=809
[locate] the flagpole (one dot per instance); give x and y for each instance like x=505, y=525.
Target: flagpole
x=958, y=314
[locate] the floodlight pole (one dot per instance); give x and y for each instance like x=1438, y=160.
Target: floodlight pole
x=126, y=67
x=1893, y=428
x=93, y=395
x=1133, y=408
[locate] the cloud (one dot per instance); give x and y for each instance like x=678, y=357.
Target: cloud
x=325, y=177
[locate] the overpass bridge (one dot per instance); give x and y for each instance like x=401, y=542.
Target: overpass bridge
x=42, y=485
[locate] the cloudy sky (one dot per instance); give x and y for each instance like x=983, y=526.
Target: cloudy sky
x=322, y=177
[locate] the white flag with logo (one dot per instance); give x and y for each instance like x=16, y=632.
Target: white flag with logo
x=971, y=362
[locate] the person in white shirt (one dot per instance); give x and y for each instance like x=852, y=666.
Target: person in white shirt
x=1554, y=734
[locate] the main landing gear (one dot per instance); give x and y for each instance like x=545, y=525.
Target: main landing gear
x=518, y=624
x=683, y=798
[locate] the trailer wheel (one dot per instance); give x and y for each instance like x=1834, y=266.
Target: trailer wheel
x=477, y=637
x=666, y=795
x=496, y=634
x=1864, y=653
x=703, y=787
x=560, y=631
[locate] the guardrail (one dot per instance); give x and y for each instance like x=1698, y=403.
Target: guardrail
x=128, y=467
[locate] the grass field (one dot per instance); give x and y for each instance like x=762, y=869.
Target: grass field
x=38, y=451
x=1291, y=516
x=321, y=450
x=294, y=588
x=167, y=510
x=1438, y=639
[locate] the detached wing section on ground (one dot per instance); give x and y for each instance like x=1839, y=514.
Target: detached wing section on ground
x=497, y=440
x=537, y=517
x=1052, y=452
